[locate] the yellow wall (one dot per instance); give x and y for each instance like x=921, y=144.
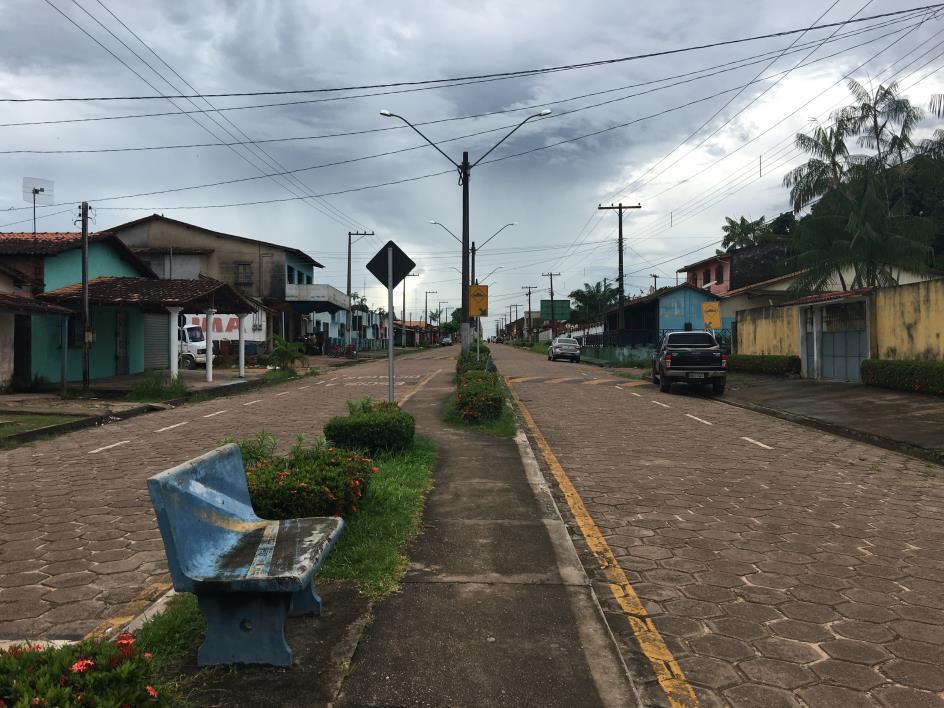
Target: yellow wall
x=909, y=321
x=768, y=330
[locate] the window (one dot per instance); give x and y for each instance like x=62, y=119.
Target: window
x=719, y=273
x=243, y=274
x=75, y=332
x=309, y=280
x=690, y=339
x=290, y=274
x=706, y=276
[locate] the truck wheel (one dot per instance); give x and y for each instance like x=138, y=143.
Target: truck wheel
x=718, y=389
x=188, y=362
x=664, y=384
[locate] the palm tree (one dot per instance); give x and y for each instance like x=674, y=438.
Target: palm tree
x=936, y=106
x=825, y=170
x=744, y=232
x=592, y=301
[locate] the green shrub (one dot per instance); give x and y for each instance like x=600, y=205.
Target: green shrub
x=907, y=375
x=469, y=362
x=92, y=672
x=312, y=480
x=764, y=364
x=479, y=396
x=372, y=428
x=284, y=354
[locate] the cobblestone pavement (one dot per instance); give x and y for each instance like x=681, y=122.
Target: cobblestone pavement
x=79, y=546
x=783, y=566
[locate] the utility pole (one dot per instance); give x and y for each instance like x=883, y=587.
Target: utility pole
x=86, y=323
x=618, y=208
x=655, y=281
x=465, y=335
x=426, y=308
x=553, y=319
x=348, y=325
x=529, y=288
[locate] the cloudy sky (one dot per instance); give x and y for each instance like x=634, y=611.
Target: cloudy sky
x=686, y=135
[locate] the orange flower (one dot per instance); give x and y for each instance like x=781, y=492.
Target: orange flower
x=147, y=655
x=82, y=665
x=150, y=691
x=125, y=639
x=375, y=469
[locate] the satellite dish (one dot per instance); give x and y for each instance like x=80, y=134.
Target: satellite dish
x=39, y=189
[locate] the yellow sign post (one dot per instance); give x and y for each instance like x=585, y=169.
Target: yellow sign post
x=478, y=301
x=711, y=314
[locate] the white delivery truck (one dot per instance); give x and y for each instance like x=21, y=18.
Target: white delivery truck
x=191, y=334
x=191, y=342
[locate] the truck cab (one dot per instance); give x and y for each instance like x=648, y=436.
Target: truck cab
x=191, y=341
x=692, y=357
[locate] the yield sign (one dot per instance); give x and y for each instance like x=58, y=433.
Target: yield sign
x=402, y=265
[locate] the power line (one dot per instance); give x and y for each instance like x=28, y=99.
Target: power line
x=504, y=74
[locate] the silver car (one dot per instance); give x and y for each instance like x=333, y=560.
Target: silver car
x=564, y=348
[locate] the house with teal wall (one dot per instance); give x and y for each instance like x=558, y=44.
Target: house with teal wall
x=646, y=318
x=118, y=331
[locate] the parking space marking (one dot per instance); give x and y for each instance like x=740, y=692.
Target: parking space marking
x=671, y=678
x=759, y=444
x=210, y=415
x=661, y=404
x=249, y=403
x=108, y=447
x=302, y=388
x=700, y=420
x=171, y=427
x=637, y=395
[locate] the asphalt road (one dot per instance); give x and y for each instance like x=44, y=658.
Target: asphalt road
x=781, y=566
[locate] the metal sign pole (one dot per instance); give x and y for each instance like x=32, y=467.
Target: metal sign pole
x=390, y=326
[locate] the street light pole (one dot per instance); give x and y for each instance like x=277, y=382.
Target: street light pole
x=426, y=308
x=464, y=168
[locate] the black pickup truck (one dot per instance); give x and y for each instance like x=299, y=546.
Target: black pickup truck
x=693, y=357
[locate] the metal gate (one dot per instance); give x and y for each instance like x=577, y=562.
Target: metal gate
x=845, y=341
x=155, y=341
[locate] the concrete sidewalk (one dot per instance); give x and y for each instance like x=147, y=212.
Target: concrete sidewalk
x=495, y=607
x=900, y=420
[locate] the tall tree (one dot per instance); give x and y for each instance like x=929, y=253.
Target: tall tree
x=826, y=168
x=744, y=232
x=591, y=301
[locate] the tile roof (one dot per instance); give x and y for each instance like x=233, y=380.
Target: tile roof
x=11, y=302
x=154, y=293
x=46, y=242
x=762, y=283
x=830, y=296
x=16, y=275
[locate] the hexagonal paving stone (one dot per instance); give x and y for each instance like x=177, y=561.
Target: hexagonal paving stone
x=864, y=612
x=726, y=648
x=750, y=695
x=919, y=631
x=738, y=628
x=848, y=674
x=915, y=674
x=856, y=652
x=917, y=651
x=709, y=672
x=751, y=611
x=788, y=650
x=692, y=608
x=901, y=697
x=772, y=672
x=801, y=631
x=808, y=612
x=835, y=697
x=864, y=631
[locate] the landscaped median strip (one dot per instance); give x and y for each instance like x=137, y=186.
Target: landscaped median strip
x=669, y=674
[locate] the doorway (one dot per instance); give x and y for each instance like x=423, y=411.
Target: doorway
x=121, y=343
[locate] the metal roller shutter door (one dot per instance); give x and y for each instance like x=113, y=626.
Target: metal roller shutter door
x=155, y=342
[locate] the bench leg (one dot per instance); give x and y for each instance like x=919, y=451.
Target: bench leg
x=306, y=601
x=244, y=628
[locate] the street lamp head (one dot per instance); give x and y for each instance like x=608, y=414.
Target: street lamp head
x=387, y=114
x=545, y=112
x=514, y=223
x=433, y=222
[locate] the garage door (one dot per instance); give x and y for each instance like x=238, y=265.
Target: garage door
x=155, y=342
x=845, y=343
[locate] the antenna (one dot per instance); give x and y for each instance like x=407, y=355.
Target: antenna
x=37, y=191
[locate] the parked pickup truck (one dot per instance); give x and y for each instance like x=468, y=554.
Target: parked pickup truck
x=693, y=357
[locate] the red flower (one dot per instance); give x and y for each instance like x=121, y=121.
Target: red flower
x=374, y=469
x=125, y=639
x=82, y=665
x=147, y=655
x=150, y=691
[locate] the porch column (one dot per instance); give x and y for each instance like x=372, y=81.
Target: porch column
x=817, y=342
x=173, y=352
x=64, y=351
x=242, y=348
x=209, y=343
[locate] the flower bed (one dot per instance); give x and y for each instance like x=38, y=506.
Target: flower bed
x=479, y=396
x=92, y=672
x=373, y=427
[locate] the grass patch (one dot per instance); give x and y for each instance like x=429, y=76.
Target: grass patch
x=370, y=551
x=539, y=348
x=13, y=423
x=157, y=386
x=275, y=375
x=174, y=633
x=503, y=427
x=629, y=375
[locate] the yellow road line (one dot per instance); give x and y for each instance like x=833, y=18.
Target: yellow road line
x=668, y=672
x=522, y=379
x=631, y=384
x=566, y=378
x=597, y=382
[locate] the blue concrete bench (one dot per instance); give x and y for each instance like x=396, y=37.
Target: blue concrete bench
x=248, y=574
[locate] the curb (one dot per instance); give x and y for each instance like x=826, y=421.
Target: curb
x=935, y=456
x=87, y=422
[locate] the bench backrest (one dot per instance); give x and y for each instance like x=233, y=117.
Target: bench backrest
x=202, y=508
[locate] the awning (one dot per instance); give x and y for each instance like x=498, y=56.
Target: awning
x=25, y=305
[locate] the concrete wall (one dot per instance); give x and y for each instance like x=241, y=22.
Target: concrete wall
x=6, y=337
x=769, y=330
x=909, y=321
x=682, y=307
